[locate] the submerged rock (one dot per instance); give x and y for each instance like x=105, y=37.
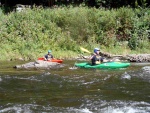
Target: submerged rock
x=39, y=64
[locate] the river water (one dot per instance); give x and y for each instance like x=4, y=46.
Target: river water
x=74, y=90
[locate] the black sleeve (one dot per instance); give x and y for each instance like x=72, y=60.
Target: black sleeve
x=101, y=54
x=93, y=60
x=46, y=56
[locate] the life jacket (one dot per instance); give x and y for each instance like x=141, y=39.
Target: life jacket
x=49, y=56
x=97, y=59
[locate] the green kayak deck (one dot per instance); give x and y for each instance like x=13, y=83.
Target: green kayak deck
x=107, y=65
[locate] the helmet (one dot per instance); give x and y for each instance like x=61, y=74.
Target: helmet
x=49, y=51
x=96, y=49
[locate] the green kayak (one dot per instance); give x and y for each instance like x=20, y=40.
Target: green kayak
x=107, y=65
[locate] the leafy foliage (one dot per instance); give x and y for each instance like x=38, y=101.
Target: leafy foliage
x=30, y=33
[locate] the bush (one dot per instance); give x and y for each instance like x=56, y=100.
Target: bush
x=31, y=32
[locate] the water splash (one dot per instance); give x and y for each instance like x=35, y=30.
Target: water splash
x=126, y=76
x=73, y=68
x=0, y=79
x=146, y=69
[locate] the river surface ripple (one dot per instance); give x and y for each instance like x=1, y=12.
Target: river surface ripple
x=74, y=90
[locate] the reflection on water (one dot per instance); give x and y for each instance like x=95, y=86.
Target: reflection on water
x=75, y=90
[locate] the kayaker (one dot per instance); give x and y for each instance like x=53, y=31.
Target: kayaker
x=98, y=57
x=48, y=56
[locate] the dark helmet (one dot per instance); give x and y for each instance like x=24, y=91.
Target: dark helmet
x=96, y=49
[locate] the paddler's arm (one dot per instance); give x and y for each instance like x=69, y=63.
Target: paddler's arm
x=46, y=57
x=104, y=54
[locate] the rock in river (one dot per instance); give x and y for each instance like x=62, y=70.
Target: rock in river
x=39, y=64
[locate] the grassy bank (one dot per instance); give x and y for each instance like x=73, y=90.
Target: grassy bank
x=29, y=34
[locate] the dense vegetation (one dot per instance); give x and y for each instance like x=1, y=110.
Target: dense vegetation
x=30, y=33
x=90, y=3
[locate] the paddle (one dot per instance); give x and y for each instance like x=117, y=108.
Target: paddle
x=87, y=51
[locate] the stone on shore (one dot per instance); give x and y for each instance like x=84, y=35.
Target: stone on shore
x=131, y=57
x=138, y=58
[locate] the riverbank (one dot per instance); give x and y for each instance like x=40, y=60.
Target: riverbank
x=130, y=58
x=125, y=54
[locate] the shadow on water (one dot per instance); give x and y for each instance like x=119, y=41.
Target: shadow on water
x=71, y=89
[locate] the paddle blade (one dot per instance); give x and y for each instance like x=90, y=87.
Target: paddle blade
x=85, y=50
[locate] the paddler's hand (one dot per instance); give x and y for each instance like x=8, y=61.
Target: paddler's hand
x=98, y=62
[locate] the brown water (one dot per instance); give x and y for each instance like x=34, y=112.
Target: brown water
x=74, y=90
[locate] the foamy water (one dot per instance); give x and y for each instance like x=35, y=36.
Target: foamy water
x=94, y=107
